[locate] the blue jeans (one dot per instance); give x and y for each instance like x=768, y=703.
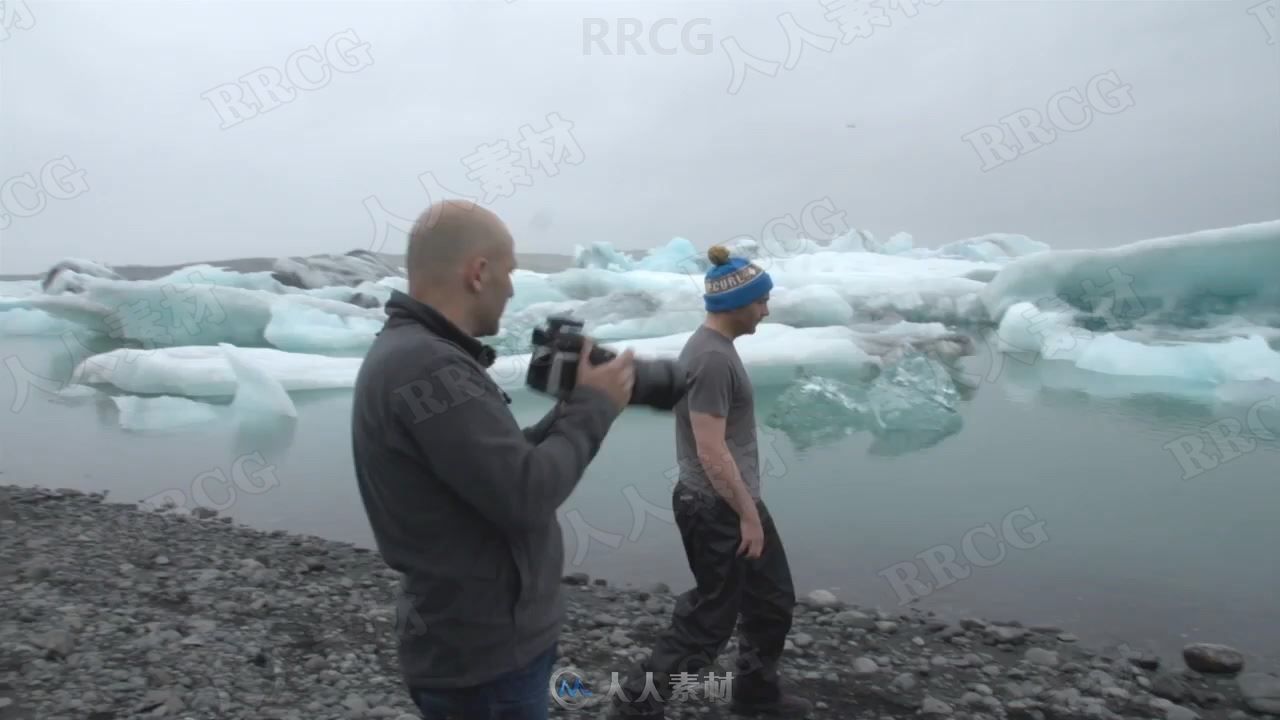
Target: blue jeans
x=522, y=694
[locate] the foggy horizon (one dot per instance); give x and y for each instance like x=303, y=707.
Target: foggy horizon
x=135, y=133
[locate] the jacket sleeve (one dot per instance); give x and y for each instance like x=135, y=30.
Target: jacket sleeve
x=463, y=430
x=537, y=432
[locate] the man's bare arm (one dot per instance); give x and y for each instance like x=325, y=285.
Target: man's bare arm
x=718, y=462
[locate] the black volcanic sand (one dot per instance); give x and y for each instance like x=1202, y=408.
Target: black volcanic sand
x=110, y=611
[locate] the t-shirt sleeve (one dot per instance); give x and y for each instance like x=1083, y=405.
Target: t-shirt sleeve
x=710, y=383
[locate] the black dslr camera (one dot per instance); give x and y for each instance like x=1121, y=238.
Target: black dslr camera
x=553, y=369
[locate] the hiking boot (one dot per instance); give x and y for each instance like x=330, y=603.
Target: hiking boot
x=788, y=706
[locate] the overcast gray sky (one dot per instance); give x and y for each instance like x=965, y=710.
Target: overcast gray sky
x=1174, y=125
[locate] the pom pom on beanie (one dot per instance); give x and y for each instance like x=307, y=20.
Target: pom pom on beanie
x=733, y=282
x=718, y=255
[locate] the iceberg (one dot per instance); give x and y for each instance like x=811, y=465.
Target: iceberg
x=257, y=396
x=69, y=275
x=154, y=414
x=1162, y=280
x=15, y=321
x=1182, y=365
x=992, y=248
x=257, y=392
x=199, y=371
x=911, y=405
x=679, y=255
x=316, y=271
x=163, y=314
x=771, y=356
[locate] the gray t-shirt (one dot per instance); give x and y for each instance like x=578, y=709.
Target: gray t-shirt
x=718, y=385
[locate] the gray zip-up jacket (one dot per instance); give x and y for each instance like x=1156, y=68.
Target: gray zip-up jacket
x=462, y=500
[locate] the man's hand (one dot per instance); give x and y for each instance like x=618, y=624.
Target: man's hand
x=616, y=377
x=752, y=535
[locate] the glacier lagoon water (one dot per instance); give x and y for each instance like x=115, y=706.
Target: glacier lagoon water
x=1038, y=501
x=1080, y=438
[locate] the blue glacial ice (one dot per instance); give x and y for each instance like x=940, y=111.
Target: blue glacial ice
x=257, y=397
x=1158, y=280
x=910, y=405
x=1197, y=310
x=164, y=413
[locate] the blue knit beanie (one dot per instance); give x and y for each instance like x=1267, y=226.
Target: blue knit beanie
x=732, y=283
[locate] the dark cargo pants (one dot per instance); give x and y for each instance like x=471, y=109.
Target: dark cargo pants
x=728, y=585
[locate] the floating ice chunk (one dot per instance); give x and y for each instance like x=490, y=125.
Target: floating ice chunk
x=156, y=314
x=532, y=288
x=1053, y=336
x=317, y=271
x=772, y=355
x=901, y=244
x=909, y=406
x=583, y=284
x=603, y=256
x=817, y=410
x=203, y=371
x=18, y=288
x=257, y=392
x=914, y=394
x=69, y=275
x=152, y=414
x=853, y=241
x=810, y=306
x=668, y=322
x=16, y=321
x=297, y=327
x=992, y=247
x=1160, y=275
x=211, y=275
x=678, y=255
x=1237, y=360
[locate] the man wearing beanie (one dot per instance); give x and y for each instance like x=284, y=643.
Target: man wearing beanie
x=734, y=552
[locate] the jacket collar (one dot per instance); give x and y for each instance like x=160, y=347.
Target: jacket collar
x=402, y=306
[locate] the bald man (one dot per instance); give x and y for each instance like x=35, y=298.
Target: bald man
x=461, y=499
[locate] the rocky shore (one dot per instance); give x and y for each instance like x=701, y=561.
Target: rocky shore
x=112, y=612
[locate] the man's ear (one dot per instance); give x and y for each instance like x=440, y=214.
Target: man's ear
x=476, y=272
